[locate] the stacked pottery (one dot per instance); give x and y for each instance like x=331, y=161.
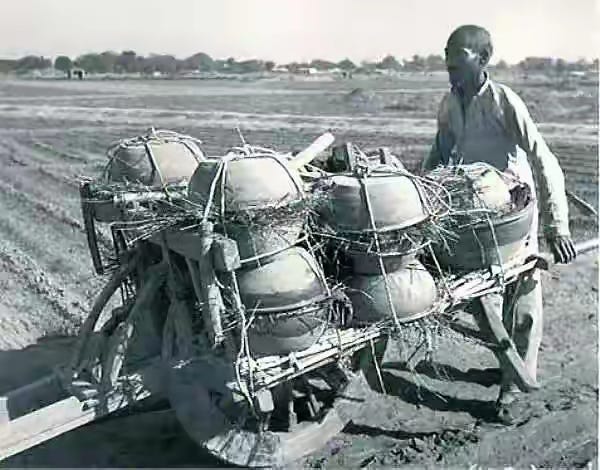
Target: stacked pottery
x=288, y=297
x=381, y=207
x=500, y=238
x=281, y=285
x=241, y=185
x=155, y=159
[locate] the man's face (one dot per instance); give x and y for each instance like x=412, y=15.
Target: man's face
x=464, y=66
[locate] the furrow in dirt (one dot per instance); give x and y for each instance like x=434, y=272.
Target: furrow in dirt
x=59, y=248
x=37, y=304
x=54, y=152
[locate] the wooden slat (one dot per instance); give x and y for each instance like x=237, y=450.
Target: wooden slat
x=63, y=416
x=30, y=397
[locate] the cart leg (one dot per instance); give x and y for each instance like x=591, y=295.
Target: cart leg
x=370, y=364
x=489, y=316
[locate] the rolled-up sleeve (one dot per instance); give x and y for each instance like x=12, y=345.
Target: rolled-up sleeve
x=547, y=171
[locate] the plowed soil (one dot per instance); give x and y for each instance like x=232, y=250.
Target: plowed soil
x=51, y=133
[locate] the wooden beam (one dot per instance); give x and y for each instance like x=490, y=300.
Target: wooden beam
x=30, y=397
x=70, y=413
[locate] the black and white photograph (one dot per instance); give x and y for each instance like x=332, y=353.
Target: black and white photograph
x=299, y=234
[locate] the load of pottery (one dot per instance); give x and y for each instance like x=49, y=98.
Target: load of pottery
x=378, y=214
x=489, y=217
x=375, y=216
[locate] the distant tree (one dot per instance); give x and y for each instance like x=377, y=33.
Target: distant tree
x=292, y=67
x=435, y=62
x=219, y=65
x=389, y=62
x=595, y=65
x=126, y=62
x=269, y=65
x=501, y=65
x=321, y=64
x=581, y=65
x=560, y=66
x=63, y=63
x=537, y=64
x=249, y=66
x=32, y=62
x=418, y=62
x=109, y=61
x=91, y=63
x=199, y=61
x=346, y=64
x=166, y=64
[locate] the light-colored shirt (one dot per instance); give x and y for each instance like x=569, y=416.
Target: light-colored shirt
x=496, y=128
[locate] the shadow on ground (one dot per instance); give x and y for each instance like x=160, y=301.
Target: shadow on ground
x=150, y=438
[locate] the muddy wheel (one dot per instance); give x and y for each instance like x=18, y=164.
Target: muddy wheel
x=297, y=418
x=126, y=337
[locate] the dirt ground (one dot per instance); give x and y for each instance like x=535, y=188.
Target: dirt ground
x=51, y=133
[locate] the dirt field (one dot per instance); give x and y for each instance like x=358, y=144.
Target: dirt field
x=52, y=132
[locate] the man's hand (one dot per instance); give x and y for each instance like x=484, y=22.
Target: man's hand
x=563, y=249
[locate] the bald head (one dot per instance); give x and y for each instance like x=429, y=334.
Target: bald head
x=468, y=53
x=472, y=37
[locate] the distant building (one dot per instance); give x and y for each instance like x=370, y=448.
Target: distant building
x=307, y=71
x=7, y=65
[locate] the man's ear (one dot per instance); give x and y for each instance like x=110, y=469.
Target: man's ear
x=484, y=57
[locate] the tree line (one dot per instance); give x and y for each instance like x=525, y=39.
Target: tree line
x=128, y=62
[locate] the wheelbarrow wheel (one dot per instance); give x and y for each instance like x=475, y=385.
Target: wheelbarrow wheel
x=238, y=434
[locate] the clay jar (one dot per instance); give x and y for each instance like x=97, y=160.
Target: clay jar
x=251, y=184
x=395, y=202
x=288, y=298
x=154, y=160
x=413, y=292
x=475, y=247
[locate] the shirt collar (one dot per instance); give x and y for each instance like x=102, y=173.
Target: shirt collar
x=486, y=84
x=482, y=89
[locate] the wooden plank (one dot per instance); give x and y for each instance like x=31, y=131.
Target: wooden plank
x=31, y=397
x=70, y=413
x=186, y=244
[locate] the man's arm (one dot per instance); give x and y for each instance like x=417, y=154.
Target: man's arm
x=444, y=141
x=548, y=174
x=434, y=158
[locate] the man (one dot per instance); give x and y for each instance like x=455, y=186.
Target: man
x=482, y=121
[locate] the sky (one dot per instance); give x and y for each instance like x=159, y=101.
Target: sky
x=296, y=30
